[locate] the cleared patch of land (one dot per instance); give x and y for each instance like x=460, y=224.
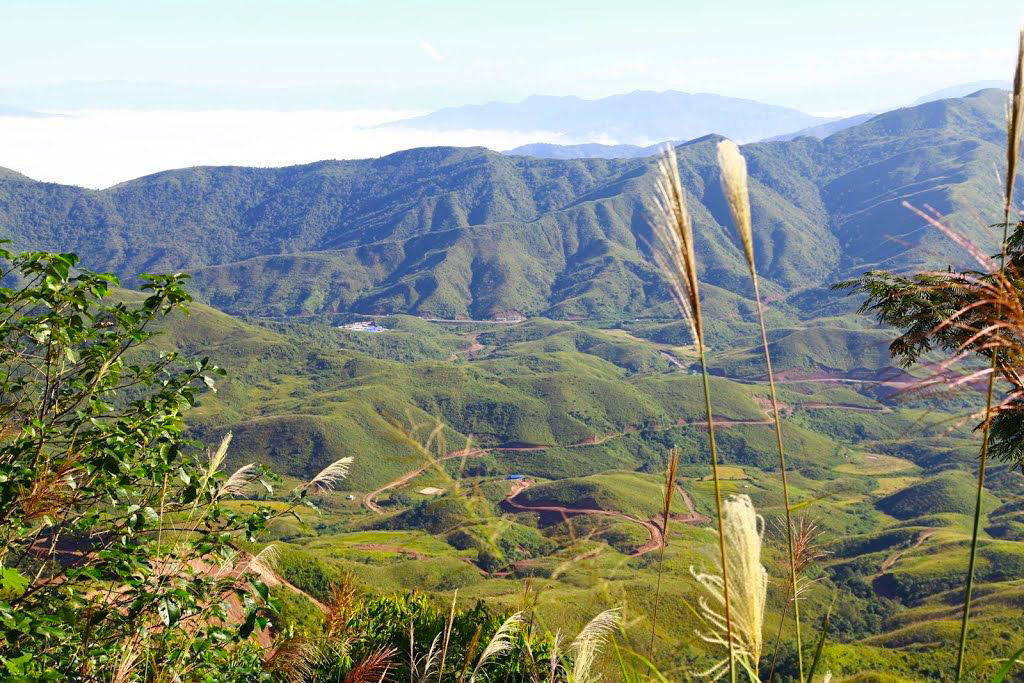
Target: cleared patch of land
x=874, y=464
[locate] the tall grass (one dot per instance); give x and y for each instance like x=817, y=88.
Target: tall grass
x=666, y=516
x=676, y=257
x=747, y=580
x=1015, y=127
x=734, y=186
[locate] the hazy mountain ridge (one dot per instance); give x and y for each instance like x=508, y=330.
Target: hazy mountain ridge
x=464, y=232
x=640, y=117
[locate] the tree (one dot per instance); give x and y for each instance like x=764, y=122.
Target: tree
x=118, y=558
x=967, y=315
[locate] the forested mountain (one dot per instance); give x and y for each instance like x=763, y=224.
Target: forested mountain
x=465, y=232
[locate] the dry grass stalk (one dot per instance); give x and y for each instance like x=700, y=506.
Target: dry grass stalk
x=292, y=660
x=677, y=258
x=373, y=668
x=666, y=512
x=1015, y=126
x=735, y=188
x=748, y=581
x=447, y=636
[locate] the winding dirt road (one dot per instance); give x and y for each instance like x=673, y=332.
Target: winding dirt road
x=891, y=561
x=655, y=540
x=656, y=535
x=370, y=500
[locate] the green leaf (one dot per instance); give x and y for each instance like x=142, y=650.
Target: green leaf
x=1004, y=670
x=12, y=583
x=169, y=611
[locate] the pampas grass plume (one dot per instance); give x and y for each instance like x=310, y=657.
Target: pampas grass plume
x=734, y=186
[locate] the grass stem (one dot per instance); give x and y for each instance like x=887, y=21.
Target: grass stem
x=1015, y=127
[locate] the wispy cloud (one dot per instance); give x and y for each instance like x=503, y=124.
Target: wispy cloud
x=431, y=51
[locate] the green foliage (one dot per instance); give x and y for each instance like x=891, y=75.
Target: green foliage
x=108, y=526
x=416, y=631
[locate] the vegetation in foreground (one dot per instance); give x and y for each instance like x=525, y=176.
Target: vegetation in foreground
x=107, y=513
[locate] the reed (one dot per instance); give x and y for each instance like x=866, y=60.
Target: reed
x=735, y=188
x=1015, y=126
x=676, y=257
x=670, y=485
x=748, y=581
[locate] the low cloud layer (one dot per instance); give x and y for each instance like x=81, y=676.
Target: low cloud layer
x=99, y=148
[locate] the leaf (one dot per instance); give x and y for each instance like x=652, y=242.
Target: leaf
x=819, y=647
x=12, y=582
x=16, y=666
x=169, y=611
x=1005, y=668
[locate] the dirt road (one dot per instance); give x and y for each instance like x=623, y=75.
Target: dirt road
x=370, y=501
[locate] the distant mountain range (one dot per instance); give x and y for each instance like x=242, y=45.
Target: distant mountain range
x=465, y=232
x=587, y=150
x=636, y=118
x=961, y=90
x=22, y=113
x=595, y=150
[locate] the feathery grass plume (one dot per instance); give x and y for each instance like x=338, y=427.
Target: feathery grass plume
x=587, y=645
x=372, y=668
x=429, y=661
x=239, y=481
x=676, y=257
x=674, y=235
x=292, y=660
x=328, y=477
x=1015, y=127
x=734, y=186
x=265, y=561
x=748, y=580
x=737, y=194
x=670, y=486
x=556, y=649
x=500, y=642
x=217, y=457
x=807, y=551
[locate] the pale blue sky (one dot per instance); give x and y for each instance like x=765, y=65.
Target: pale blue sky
x=820, y=56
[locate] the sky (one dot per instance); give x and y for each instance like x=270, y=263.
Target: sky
x=377, y=59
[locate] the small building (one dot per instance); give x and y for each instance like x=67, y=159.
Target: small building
x=363, y=326
x=430, y=491
x=515, y=477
